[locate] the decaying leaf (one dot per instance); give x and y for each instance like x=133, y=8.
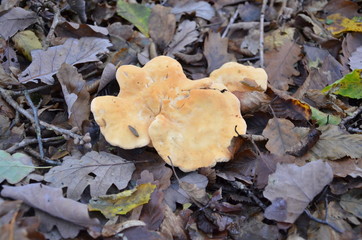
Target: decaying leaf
x=47, y=63
x=347, y=167
x=14, y=20
x=201, y=8
x=172, y=226
x=281, y=135
x=334, y=143
x=161, y=18
x=14, y=167
x=79, y=7
x=136, y=14
x=75, y=174
x=323, y=118
x=280, y=64
x=186, y=34
x=351, y=202
x=340, y=24
x=75, y=94
x=355, y=61
x=349, y=86
x=123, y=202
x=298, y=185
x=25, y=42
x=51, y=200
x=153, y=212
x=215, y=51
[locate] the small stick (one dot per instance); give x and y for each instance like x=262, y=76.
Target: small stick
x=55, y=22
x=27, y=141
x=232, y=20
x=36, y=123
x=16, y=93
x=7, y=97
x=261, y=37
x=45, y=159
x=322, y=221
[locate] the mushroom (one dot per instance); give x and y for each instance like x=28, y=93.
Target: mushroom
x=190, y=122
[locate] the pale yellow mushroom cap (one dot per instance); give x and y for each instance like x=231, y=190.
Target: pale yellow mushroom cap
x=240, y=78
x=197, y=130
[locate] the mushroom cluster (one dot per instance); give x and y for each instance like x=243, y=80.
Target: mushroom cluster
x=190, y=122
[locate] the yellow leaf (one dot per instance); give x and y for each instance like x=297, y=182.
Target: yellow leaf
x=123, y=202
x=340, y=24
x=25, y=42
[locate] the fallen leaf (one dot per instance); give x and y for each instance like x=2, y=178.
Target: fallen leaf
x=347, y=167
x=153, y=212
x=334, y=143
x=251, y=41
x=161, y=18
x=47, y=63
x=74, y=173
x=280, y=64
x=13, y=168
x=16, y=19
x=348, y=86
x=110, y=230
x=136, y=14
x=75, y=30
x=25, y=42
x=172, y=226
x=51, y=200
x=186, y=34
x=79, y=7
x=323, y=118
x=351, y=202
x=298, y=185
x=202, y=9
x=215, y=51
x=355, y=61
x=277, y=211
x=340, y=24
x=175, y=193
x=75, y=94
x=123, y=202
x=281, y=135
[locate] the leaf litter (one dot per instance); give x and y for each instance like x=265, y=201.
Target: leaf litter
x=299, y=163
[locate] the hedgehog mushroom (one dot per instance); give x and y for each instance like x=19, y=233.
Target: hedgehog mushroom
x=198, y=129
x=191, y=123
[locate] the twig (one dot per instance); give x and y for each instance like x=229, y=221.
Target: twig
x=27, y=141
x=322, y=221
x=351, y=117
x=36, y=124
x=7, y=97
x=248, y=192
x=261, y=36
x=246, y=25
x=16, y=93
x=232, y=20
x=45, y=159
x=355, y=130
x=55, y=22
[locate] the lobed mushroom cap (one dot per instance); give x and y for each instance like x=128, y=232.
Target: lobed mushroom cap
x=197, y=130
x=240, y=78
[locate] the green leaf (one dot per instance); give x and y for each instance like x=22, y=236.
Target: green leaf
x=12, y=167
x=123, y=202
x=349, y=86
x=324, y=118
x=136, y=14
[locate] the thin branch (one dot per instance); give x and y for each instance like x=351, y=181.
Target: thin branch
x=36, y=124
x=323, y=221
x=27, y=141
x=55, y=22
x=36, y=89
x=7, y=97
x=45, y=159
x=232, y=20
x=261, y=37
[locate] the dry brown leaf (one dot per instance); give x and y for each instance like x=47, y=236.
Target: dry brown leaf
x=172, y=226
x=75, y=94
x=153, y=212
x=202, y=9
x=216, y=51
x=186, y=34
x=298, y=185
x=14, y=20
x=76, y=174
x=335, y=143
x=347, y=167
x=75, y=30
x=161, y=18
x=280, y=64
x=281, y=135
x=47, y=63
x=51, y=200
